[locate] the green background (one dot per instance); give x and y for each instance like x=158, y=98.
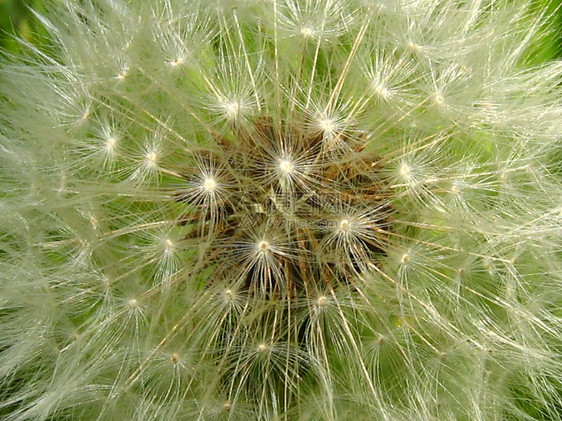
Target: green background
x=16, y=18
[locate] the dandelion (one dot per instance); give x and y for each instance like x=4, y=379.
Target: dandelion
x=267, y=210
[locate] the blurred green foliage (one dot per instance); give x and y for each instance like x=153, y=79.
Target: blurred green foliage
x=16, y=18
x=551, y=46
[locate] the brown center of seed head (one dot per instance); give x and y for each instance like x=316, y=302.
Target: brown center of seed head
x=292, y=207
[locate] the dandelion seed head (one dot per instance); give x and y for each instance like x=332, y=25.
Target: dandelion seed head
x=229, y=295
x=327, y=125
x=286, y=166
x=209, y=184
x=231, y=110
x=110, y=144
x=405, y=170
x=263, y=246
x=307, y=31
x=345, y=225
x=322, y=301
x=304, y=198
x=438, y=99
x=151, y=159
x=168, y=245
x=381, y=91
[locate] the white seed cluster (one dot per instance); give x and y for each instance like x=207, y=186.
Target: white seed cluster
x=282, y=210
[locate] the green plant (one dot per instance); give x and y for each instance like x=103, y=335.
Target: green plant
x=301, y=210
